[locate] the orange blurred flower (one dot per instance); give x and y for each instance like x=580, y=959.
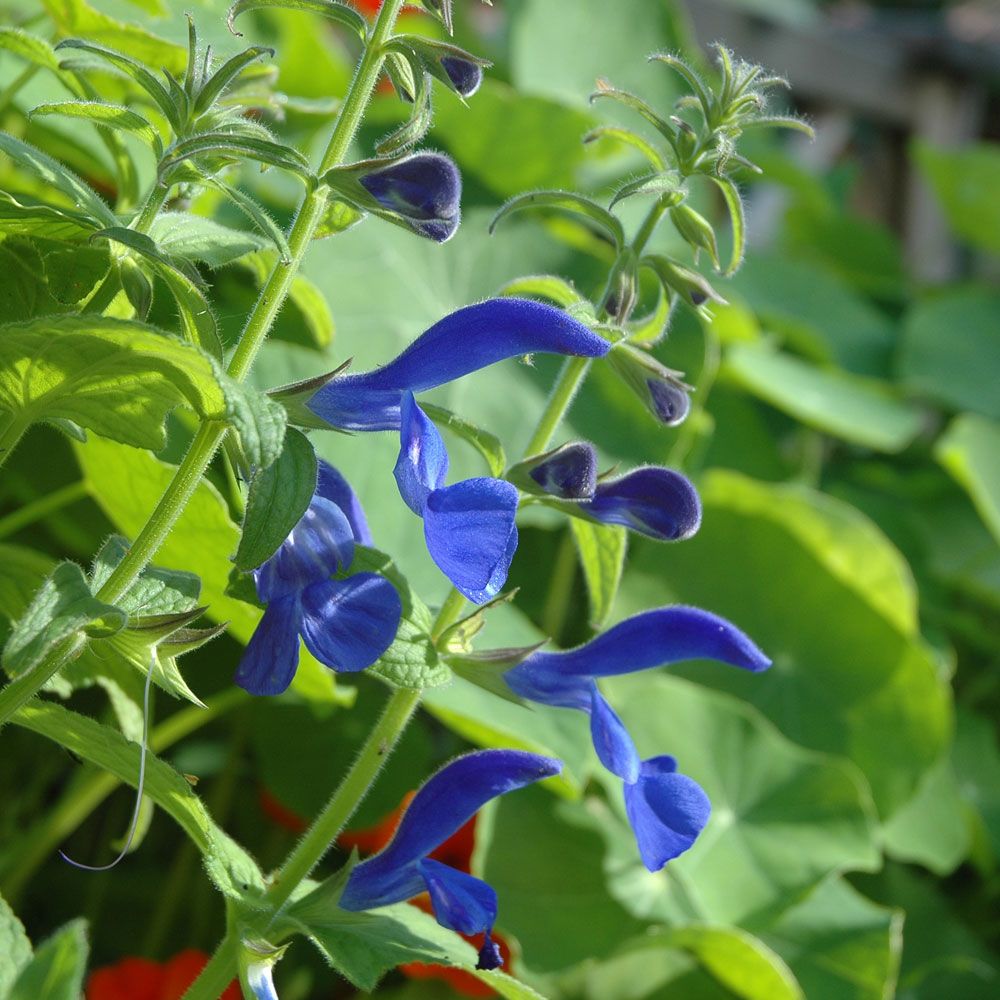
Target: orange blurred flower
x=142, y=979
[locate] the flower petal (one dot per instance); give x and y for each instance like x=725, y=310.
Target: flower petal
x=272, y=654
x=321, y=544
x=461, y=902
x=443, y=804
x=348, y=624
x=471, y=534
x=465, y=76
x=423, y=461
x=651, y=639
x=612, y=742
x=667, y=811
x=462, y=342
x=332, y=486
x=654, y=501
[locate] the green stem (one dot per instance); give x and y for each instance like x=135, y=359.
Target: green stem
x=569, y=380
x=25, y=686
x=451, y=611
x=42, y=507
x=218, y=974
x=345, y=800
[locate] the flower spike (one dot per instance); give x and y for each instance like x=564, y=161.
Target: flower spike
x=442, y=805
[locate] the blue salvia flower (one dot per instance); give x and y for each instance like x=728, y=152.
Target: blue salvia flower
x=443, y=804
x=667, y=810
x=347, y=624
x=425, y=189
x=652, y=500
x=469, y=526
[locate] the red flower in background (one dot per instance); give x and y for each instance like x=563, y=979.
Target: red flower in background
x=142, y=979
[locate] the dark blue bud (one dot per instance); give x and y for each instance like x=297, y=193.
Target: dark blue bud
x=669, y=399
x=425, y=189
x=465, y=76
x=489, y=955
x=569, y=472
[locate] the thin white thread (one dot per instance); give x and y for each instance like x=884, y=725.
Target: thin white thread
x=134, y=825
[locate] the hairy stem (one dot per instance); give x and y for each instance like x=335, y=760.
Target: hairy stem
x=218, y=974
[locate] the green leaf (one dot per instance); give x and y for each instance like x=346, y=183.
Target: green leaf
x=230, y=868
x=653, y=156
x=15, y=948
x=793, y=567
x=20, y=214
x=47, y=170
x=650, y=184
x=57, y=968
x=257, y=214
x=64, y=606
x=106, y=115
x=412, y=660
x=30, y=47
x=965, y=182
x=149, y=83
x=601, y=548
x=304, y=295
x=197, y=319
x=213, y=88
x=847, y=406
x=734, y=203
x=156, y=592
x=338, y=217
x=575, y=205
x=80, y=19
x=839, y=945
x=277, y=499
x=232, y=146
x=197, y=240
x=948, y=342
x=117, y=378
x=258, y=420
x=488, y=445
x=783, y=817
x=548, y=287
x=970, y=450
x=976, y=760
x=363, y=947
x=339, y=13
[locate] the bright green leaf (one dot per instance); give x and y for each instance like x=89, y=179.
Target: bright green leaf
x=339, y=13
x=861, y=411
x=20, y=214
x=601, y=548
x=15, y=948
x=64, y=606
x=970, y=451
x=30, y=47
x=56, y=970
x=106, y=115
x=277, y=499
x=197, y=240
x=488, y=445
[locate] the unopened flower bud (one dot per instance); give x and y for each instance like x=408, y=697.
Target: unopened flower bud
x=659, y=388
x=696, y=229
x=569, y=472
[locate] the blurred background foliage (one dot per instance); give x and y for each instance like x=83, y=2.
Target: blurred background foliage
x=845, y=436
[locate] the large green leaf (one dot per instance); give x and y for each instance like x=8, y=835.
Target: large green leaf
x=845, y=676
x=965, y=182
x=230, y=867
x=839, y=945
x=949, y=353
x=23, y=215
x=858, y=410
x=601, y=548
x=970, y=451
x=15, y=948
x=117, y=378
x=783, y=818
x=64, y=606
x=198, y=240
x=56, y=970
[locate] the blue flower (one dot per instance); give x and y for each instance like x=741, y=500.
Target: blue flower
x=465, y=75
x=667, y=810
x=442, y=805
x=469, y=526
x=346, y=624
x=653, y=501
x=424, y=190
